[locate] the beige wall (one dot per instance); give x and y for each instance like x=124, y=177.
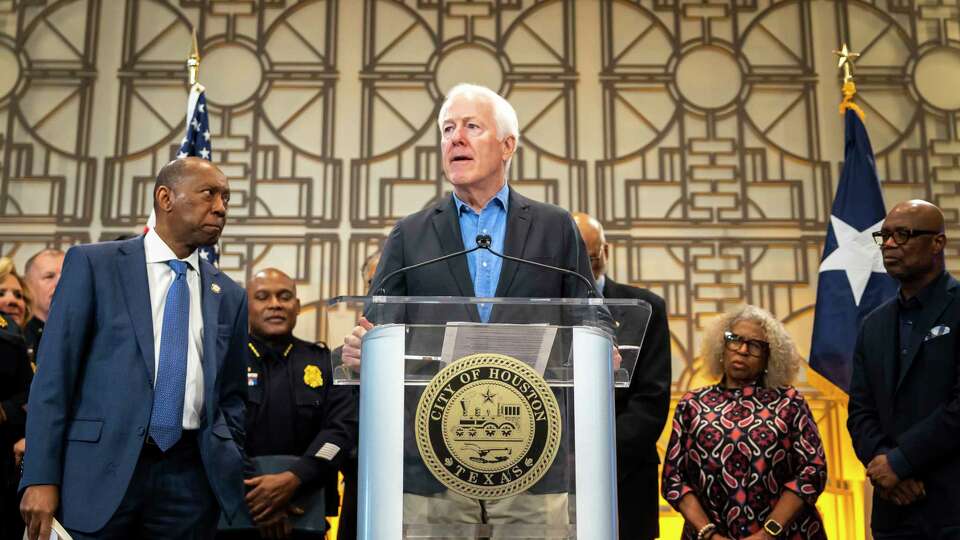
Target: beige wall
x=705, y=136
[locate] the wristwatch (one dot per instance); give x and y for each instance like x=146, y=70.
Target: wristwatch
x=773, y=528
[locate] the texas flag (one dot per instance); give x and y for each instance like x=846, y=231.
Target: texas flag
x=852, y=279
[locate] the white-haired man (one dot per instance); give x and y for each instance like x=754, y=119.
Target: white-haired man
x=479, y=136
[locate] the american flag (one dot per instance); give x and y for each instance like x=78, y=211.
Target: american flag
x=197, y=143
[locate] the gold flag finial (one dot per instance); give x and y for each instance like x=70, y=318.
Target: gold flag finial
x=193, y=61
x=849, y=88
x=846, y=62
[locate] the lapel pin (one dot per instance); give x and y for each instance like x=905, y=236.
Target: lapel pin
x=215, y=288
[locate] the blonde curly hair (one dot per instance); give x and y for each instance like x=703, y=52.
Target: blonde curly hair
x=783, y=361
x=7, y=268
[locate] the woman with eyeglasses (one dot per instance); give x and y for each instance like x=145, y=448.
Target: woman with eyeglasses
x=745, y=459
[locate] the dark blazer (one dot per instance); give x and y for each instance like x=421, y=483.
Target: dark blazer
x=918, y=412
x=90, y=401
x=641, y=413
x=535, y=231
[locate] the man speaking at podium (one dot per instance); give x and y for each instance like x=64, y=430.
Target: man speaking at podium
x=479, y=137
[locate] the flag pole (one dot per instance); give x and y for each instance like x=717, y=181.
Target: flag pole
x=193, y=73
x=852, y=280
x=849, y=88
x=193, y=62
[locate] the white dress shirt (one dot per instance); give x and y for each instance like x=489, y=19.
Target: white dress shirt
x=159, y=277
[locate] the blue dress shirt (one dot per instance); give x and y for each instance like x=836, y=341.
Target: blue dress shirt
x=484, y=266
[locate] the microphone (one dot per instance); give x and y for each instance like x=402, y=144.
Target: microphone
x=380, y=285
x=484, y=241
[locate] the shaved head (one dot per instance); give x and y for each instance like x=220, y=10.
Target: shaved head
x=273, y=305
x=272, y=274
x=922, y=214
x=919, y=260
x=596, y=241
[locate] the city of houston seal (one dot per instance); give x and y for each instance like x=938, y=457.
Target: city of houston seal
x=488, y=426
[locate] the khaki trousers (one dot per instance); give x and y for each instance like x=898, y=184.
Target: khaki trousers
x=451, y=508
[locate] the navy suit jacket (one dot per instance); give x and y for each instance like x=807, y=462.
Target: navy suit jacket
x=90, y=403
x=917, y=411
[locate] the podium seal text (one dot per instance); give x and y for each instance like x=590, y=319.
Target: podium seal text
x=488, y=426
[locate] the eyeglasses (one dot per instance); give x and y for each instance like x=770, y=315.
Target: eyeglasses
x=900, y=236
x=755, y=347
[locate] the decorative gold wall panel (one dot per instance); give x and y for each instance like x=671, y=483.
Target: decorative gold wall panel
x=705, y=136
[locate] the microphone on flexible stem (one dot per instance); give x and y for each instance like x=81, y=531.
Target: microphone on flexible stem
x=381, y=290
x=484, y=241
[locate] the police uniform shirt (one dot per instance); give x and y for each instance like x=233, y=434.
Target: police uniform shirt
x=270, y=425
x=32, y=332
x=295, y=409
x=15, y=377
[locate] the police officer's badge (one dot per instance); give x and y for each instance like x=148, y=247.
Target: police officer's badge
x=488, y=426
x=312, y=376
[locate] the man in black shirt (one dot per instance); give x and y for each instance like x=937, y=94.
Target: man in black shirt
x=904, y=415
x=293, y=408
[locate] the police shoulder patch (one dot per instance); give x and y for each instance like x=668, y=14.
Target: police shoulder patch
x=488, y=426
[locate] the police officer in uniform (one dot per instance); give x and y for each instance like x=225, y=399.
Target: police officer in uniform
x=15, y=377
x=41, y=273
x=293, y=408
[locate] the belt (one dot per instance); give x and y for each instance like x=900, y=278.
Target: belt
x=187, y=441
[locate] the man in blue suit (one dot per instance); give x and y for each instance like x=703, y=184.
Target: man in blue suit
x=136, y=420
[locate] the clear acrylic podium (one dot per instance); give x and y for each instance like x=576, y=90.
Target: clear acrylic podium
x=567, y=342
